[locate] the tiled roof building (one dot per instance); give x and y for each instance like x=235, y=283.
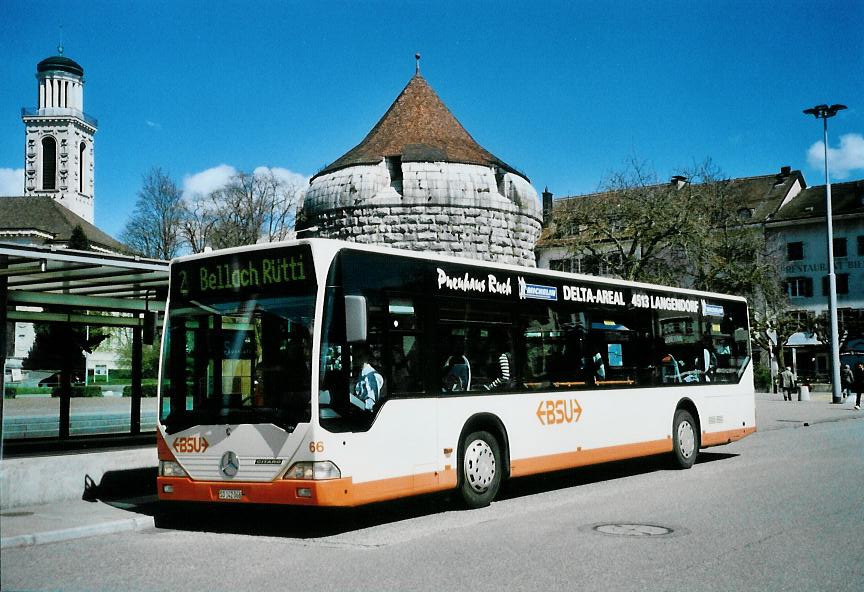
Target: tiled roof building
x=40, y=219
x=418, y=180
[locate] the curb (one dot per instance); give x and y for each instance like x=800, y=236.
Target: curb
x=806, y=423
x=80, y=532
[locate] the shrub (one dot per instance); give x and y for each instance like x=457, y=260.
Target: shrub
x=9, y=392
x=26, y=390
x=120, y=374
x=147, y=390
x=80, y=391
x=762, y=378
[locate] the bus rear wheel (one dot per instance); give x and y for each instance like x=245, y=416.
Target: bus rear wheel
x=481, y=469
x=685, y=439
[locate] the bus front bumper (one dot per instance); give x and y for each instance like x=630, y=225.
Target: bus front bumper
x=331, y=492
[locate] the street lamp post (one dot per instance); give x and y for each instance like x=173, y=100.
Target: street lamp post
x=823, y=112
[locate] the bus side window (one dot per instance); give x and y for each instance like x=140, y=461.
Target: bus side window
x=543, y=339
x=455, y=365
x=404, y=335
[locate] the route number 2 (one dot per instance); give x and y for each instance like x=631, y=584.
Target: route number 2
x=316, y=447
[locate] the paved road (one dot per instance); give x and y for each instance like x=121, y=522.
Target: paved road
x=781, y=510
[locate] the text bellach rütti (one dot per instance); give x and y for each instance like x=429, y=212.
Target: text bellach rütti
x=265, y=272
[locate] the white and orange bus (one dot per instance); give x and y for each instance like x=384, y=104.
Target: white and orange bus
x=318, y=372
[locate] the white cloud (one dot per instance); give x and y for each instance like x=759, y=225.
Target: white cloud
x=206, y=181
x=11, y=182
x=217, y=177
x=287, y=176
x=841, y=161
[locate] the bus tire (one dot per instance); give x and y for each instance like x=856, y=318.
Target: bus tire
x=481, y=468
x=685, y=439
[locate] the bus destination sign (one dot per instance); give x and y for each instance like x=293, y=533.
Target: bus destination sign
x=284, y=270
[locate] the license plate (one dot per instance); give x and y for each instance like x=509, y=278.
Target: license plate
x=230, y=494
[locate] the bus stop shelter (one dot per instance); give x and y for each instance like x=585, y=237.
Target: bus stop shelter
x=82, y=288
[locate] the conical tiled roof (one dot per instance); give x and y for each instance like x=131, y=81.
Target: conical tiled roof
x=418, y=127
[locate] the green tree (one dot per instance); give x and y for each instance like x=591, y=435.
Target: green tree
x=78, y=239
x=149, y=354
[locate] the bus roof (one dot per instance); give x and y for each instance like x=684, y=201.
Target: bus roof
x=330, y=247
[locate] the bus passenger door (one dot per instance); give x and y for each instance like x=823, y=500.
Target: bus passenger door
x=414, y=411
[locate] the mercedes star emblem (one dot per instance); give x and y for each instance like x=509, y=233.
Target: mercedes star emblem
x=229, y=464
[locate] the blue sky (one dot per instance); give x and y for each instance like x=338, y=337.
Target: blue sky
x=564, y=91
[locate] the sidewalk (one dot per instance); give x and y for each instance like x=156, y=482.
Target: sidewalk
x=64, y=521
x=131, y=506
x=773, y=413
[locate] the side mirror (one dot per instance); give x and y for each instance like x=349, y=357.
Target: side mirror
x=355, y=319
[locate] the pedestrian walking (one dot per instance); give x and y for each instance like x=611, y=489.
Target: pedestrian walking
x=787, y=383
x=858, y=384
x=847, y=379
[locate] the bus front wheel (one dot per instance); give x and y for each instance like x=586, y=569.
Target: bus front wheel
x=481, y=469
x=685, y=439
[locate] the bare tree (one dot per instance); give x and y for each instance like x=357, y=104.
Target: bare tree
x=251, y=208
x=688, y=232
x=199, y=222
x=632, y=230
x=155, y=228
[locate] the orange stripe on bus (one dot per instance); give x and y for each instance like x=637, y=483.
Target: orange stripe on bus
x=578, y=458
x=720, y=438
x=333, y=492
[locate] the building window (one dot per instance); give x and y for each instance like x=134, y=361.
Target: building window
x=604, y=264
x=839, y=247
x=499, y=181
x=81, y=151
x=568, y=265
x=861, y=246
x=394, y=167
x=49, y=163
x=842, y=280
x=795, y=251
x=799, y=287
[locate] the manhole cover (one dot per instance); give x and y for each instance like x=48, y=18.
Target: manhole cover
x=633, y=530
x=15, y=514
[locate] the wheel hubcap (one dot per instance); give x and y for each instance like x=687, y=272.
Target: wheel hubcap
x=686, y=439
x=479, y=465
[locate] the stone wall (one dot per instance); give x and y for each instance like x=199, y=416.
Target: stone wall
x=504, y=236
x=448, y=208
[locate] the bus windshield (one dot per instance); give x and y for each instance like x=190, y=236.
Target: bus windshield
x=238, y=362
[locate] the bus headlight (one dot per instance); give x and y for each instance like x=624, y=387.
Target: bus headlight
x=318, y=470
x=170, y=468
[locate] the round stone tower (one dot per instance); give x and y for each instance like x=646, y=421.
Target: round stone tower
x=419, y=181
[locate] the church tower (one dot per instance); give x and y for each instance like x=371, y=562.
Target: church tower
x=58, y=151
